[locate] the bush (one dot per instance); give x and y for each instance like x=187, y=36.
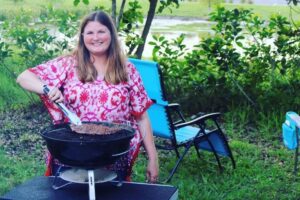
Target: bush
x=247, y=61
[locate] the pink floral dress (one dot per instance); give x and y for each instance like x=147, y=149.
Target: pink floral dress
x=95, y=101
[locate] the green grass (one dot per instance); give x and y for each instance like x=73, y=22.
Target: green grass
x=265, y=11
x=195, y=9
x=264, y=167
x=261, y=173
x=15, y=170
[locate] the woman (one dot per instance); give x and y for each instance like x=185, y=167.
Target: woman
x=98, y=84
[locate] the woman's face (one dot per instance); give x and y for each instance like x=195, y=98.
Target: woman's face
x=96, y=38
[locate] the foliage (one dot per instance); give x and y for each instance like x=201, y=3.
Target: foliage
x=167, y=4
x=247, y=61
x=295, y=2
x=5, y=51
x=32, y=39
x=28, y=42
x=131, y=19
x=76, y=2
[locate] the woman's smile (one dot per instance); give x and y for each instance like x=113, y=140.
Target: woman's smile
x=97, y=38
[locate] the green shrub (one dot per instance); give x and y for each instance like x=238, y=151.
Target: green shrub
x=247, y=61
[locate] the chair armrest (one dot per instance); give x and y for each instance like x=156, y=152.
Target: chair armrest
x=199, y=120
x=199, y=114
x=176, y=107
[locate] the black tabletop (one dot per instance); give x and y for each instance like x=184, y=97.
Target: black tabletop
x=40, y=188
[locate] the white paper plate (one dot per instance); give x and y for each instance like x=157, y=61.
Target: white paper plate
x=77, y=175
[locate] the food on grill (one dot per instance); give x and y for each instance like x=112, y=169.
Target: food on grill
x=95, y=129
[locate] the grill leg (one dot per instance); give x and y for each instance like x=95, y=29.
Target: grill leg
x=92, y=194
x=56, y=179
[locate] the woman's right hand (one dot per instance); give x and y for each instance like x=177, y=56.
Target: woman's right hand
x=55, y=95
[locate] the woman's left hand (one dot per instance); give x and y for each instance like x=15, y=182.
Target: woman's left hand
x=152, y=171
x=148, y=141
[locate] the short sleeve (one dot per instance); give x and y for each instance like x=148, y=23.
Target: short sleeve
x=139, y=99
x=53, y=73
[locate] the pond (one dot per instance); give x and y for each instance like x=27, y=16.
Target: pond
x=259, y=2
x=193, y=29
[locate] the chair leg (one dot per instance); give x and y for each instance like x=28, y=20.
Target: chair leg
x=296, y=162
x=230, y=153
x=215, y=154
x=197, y=150
x=218, y=161
x=232, y=161
x=296, y=159
x=177, y=153
x=227, y=145
x=177, y=163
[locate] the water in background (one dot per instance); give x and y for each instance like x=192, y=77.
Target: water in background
x=161, y=26
x=260, y=2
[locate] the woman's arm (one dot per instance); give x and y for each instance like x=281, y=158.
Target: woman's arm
x=31, y=82
x=148, y=140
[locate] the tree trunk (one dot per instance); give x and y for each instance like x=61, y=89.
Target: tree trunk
x=113, y=10
x=150, y=16
x=120, y=14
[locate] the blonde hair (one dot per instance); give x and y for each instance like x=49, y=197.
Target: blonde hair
x=116, y=71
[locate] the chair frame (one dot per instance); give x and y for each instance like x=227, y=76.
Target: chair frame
x=200, y=122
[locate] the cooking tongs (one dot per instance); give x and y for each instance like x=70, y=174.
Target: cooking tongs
x=72, y=116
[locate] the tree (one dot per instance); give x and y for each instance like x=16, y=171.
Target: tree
x=114, y=10
x=295, y=2
x=150, y=16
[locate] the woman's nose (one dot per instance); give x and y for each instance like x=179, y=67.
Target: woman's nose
x=96, y=36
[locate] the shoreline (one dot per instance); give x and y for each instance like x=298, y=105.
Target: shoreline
x=180, y=18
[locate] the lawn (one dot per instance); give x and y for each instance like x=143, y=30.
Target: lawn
x=264, y=167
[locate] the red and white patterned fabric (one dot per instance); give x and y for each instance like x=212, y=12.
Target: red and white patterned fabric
x=95, y=101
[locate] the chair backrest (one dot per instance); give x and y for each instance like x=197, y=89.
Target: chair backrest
x=158, y=112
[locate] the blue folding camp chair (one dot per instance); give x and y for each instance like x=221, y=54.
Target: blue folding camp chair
x=180, y=133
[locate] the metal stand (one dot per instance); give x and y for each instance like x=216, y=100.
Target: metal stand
x=92, y=193
x=84, y=176
x=54, y=183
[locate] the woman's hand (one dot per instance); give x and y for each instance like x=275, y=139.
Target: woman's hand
x=55, y=95
x=152, y=171
x=148, y=141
